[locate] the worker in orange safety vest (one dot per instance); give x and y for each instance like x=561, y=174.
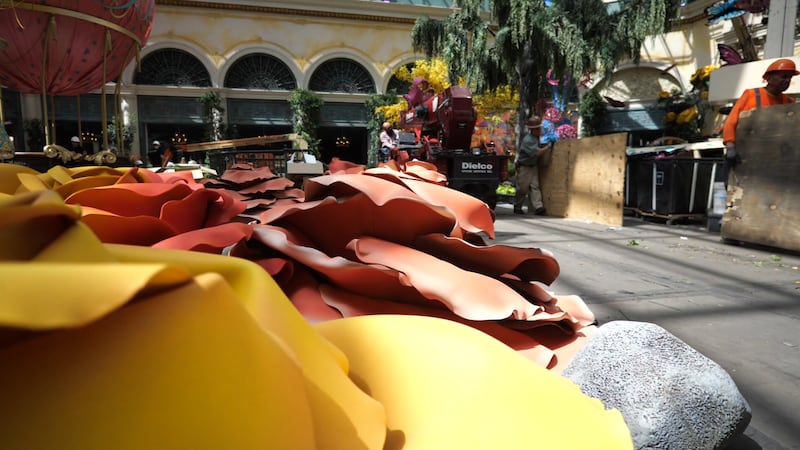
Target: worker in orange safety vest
x=778, y=77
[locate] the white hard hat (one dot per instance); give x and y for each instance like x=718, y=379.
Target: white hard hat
x=156, y=143
x=75, y=139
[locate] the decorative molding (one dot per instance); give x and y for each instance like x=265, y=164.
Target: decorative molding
x=287, y=11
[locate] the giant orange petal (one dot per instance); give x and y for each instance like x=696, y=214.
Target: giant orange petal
x=189, y=213
x=470, y=295
x=246, y=176
x=274, y=184
x=132, y=230
x=398, y=219
x=352, y=305
x=127, y=199
x=304, y=292
x=338, y=165
x=353, y=276
x=81, y=183
x=472, y=213
x=208, y=240
x=528, y=264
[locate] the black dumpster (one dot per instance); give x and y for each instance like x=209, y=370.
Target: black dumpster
x=671, y=185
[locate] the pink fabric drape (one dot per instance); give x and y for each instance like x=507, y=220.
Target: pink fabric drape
x=75, y=46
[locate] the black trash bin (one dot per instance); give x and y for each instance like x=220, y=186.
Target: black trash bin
x=675, y=185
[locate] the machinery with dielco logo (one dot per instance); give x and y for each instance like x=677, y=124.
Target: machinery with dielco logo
x=443, y=127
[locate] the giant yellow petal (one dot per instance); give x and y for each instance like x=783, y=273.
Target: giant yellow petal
x=186, y=369
x=448, y=386
x=57, y=274
x=9, y=181
x=345, y=417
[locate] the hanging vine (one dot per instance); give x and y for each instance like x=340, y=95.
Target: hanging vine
x=214, y=126
x=305, y=107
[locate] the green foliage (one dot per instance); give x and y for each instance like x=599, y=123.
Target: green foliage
x=376, y=118
x=35, y=132
x=214, y=127
x=305, y=106
x=526, y=39
x=592, y=110
x=124, y=140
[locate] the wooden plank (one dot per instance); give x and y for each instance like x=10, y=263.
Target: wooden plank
x=584, y=179
x=298, y=143
x=764, y=205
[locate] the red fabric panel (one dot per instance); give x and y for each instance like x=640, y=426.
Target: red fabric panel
x=75, y=50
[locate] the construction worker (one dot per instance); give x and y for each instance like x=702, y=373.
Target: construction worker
x=526, y=165
x=778, y=77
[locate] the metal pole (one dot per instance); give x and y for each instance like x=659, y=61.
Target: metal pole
x=780, y=29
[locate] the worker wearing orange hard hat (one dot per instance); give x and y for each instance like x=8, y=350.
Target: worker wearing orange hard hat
x=778, y=77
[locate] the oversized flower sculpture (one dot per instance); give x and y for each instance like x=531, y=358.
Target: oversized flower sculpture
x=366, y=313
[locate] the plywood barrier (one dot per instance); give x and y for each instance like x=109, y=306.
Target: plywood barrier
x=584, y=179
x=763, y=201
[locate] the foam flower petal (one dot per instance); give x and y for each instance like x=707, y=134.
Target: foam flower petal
x=446, y=385
x=468, y=294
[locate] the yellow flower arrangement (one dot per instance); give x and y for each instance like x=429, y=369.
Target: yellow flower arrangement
x=434, y=71
x=391, y=113
x=686, y=111
x=701, y=76
x=502, y=98
x=687, y=115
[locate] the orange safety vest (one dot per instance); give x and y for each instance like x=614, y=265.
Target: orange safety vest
x=750, y=99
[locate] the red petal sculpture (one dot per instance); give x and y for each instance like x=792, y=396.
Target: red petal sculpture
x=86, y=43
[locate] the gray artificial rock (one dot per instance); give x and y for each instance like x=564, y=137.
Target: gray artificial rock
x=672, y=396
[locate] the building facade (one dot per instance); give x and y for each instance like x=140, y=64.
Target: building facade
x=253, y=54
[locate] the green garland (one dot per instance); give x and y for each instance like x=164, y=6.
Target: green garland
x=305, y=107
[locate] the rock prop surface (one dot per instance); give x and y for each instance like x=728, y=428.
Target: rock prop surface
x=671, y=396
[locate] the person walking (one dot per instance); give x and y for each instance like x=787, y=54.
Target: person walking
x=526, y=165
x=778, y=77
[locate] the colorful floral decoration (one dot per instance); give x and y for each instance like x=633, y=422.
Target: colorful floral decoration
x=121, y=313
x=567, y=131
x=686, y=112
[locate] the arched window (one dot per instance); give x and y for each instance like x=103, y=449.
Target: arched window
x=342, y=75
x=260, y=71
x=172, y=67
x=400, y=87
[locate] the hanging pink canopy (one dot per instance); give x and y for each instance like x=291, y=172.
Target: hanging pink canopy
x=77, y=34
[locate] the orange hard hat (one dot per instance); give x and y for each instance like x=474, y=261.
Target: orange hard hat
x=782, y=65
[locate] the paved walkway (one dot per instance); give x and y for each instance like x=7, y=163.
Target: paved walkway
x=737, y=304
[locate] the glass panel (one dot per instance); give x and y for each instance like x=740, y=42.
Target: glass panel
x=172, y=67
x=260, y=71
x=342, y=75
